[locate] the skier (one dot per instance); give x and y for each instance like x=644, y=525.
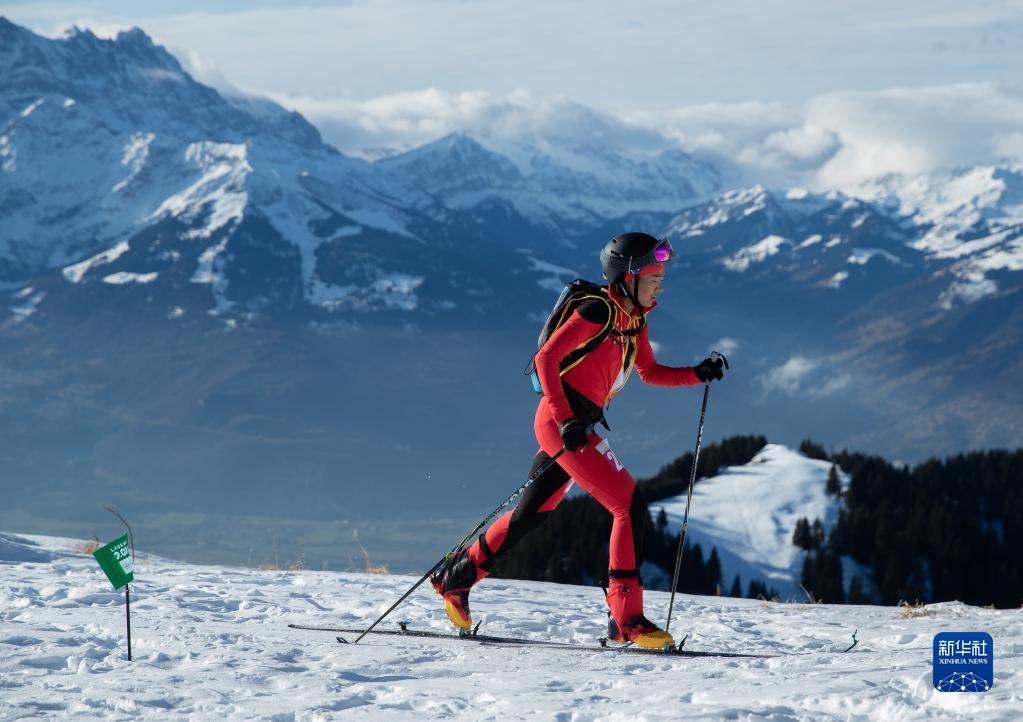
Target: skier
x=572, y=404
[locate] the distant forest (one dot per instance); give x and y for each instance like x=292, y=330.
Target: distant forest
x=939, y=531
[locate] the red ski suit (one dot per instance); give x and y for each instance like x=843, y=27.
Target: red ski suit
x=597, y=377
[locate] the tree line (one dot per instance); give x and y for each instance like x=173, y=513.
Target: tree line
x=941, y=530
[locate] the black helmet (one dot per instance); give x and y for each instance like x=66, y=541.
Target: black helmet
x=630, y=252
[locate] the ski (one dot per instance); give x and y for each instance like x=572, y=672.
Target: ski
x=498, y=641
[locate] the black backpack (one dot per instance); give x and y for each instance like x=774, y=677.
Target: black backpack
x=572, y=296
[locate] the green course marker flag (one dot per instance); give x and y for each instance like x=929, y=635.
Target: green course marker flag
x=115, y=560
x=117, y=563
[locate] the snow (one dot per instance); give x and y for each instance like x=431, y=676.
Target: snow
x=862, y=256
x=122, y=277
x=31, y=108
x=75, y=272
x=136, y=151
x=950, y=203
x=209, y=269
x=397, y=290
x=552, y=180
x=836, y=280
x=219, y=189
x=970, y=287
x=755, y=253
x=728, y=206
x=8, y=154
x=393, y=291
x=558, y=276
x=749, y=513
x=212, y=642
x=967, y=248
x=29, y=301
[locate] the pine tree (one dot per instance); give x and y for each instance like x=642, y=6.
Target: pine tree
x=813, y=450
x=736, y=590
x=713, y=572
x=692, y=580
x=801, y=536
x=759, y=589
x=834, y=486
x=817, y=534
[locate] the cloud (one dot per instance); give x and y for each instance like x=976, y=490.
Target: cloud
x=416, y=117
x=832, y=385
x=844, y=140
x=836, y=140
x=726, y=346
x=917, y=130
x=797, y=375
x=788, y=377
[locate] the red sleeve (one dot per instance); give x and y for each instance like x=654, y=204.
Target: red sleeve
x=574, y=332
x=654, y=373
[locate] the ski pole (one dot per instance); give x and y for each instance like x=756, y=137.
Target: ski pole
x=692, y=480
x=458, y=547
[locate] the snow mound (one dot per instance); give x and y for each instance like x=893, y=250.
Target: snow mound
x=749, y=513
x=16, y=549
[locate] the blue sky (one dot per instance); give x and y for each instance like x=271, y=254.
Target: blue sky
x=782, y=84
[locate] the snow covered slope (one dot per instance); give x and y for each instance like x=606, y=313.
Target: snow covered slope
x=213, y=643
x=749, y=513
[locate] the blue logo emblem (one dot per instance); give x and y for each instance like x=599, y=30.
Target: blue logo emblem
x=964, y=662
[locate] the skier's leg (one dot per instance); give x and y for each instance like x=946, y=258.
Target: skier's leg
x=598, y=470
x=461, y=571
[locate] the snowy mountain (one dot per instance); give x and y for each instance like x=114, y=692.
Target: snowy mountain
x=212, y=641
x=958, y=227
x=118, y=168
x=561, y=191
x=899, y=298
x=748, y=513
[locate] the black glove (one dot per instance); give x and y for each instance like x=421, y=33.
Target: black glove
x=709, y=370
x=575, y=435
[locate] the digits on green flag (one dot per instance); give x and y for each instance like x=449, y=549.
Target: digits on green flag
x=115, y=560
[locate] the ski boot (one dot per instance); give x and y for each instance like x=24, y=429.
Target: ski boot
x=626, y=622
x=640, y=631
x=453, y=580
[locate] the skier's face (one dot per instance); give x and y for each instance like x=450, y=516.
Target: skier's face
x=650, y=286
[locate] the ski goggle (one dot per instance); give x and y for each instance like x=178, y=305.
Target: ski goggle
x=661, y=253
